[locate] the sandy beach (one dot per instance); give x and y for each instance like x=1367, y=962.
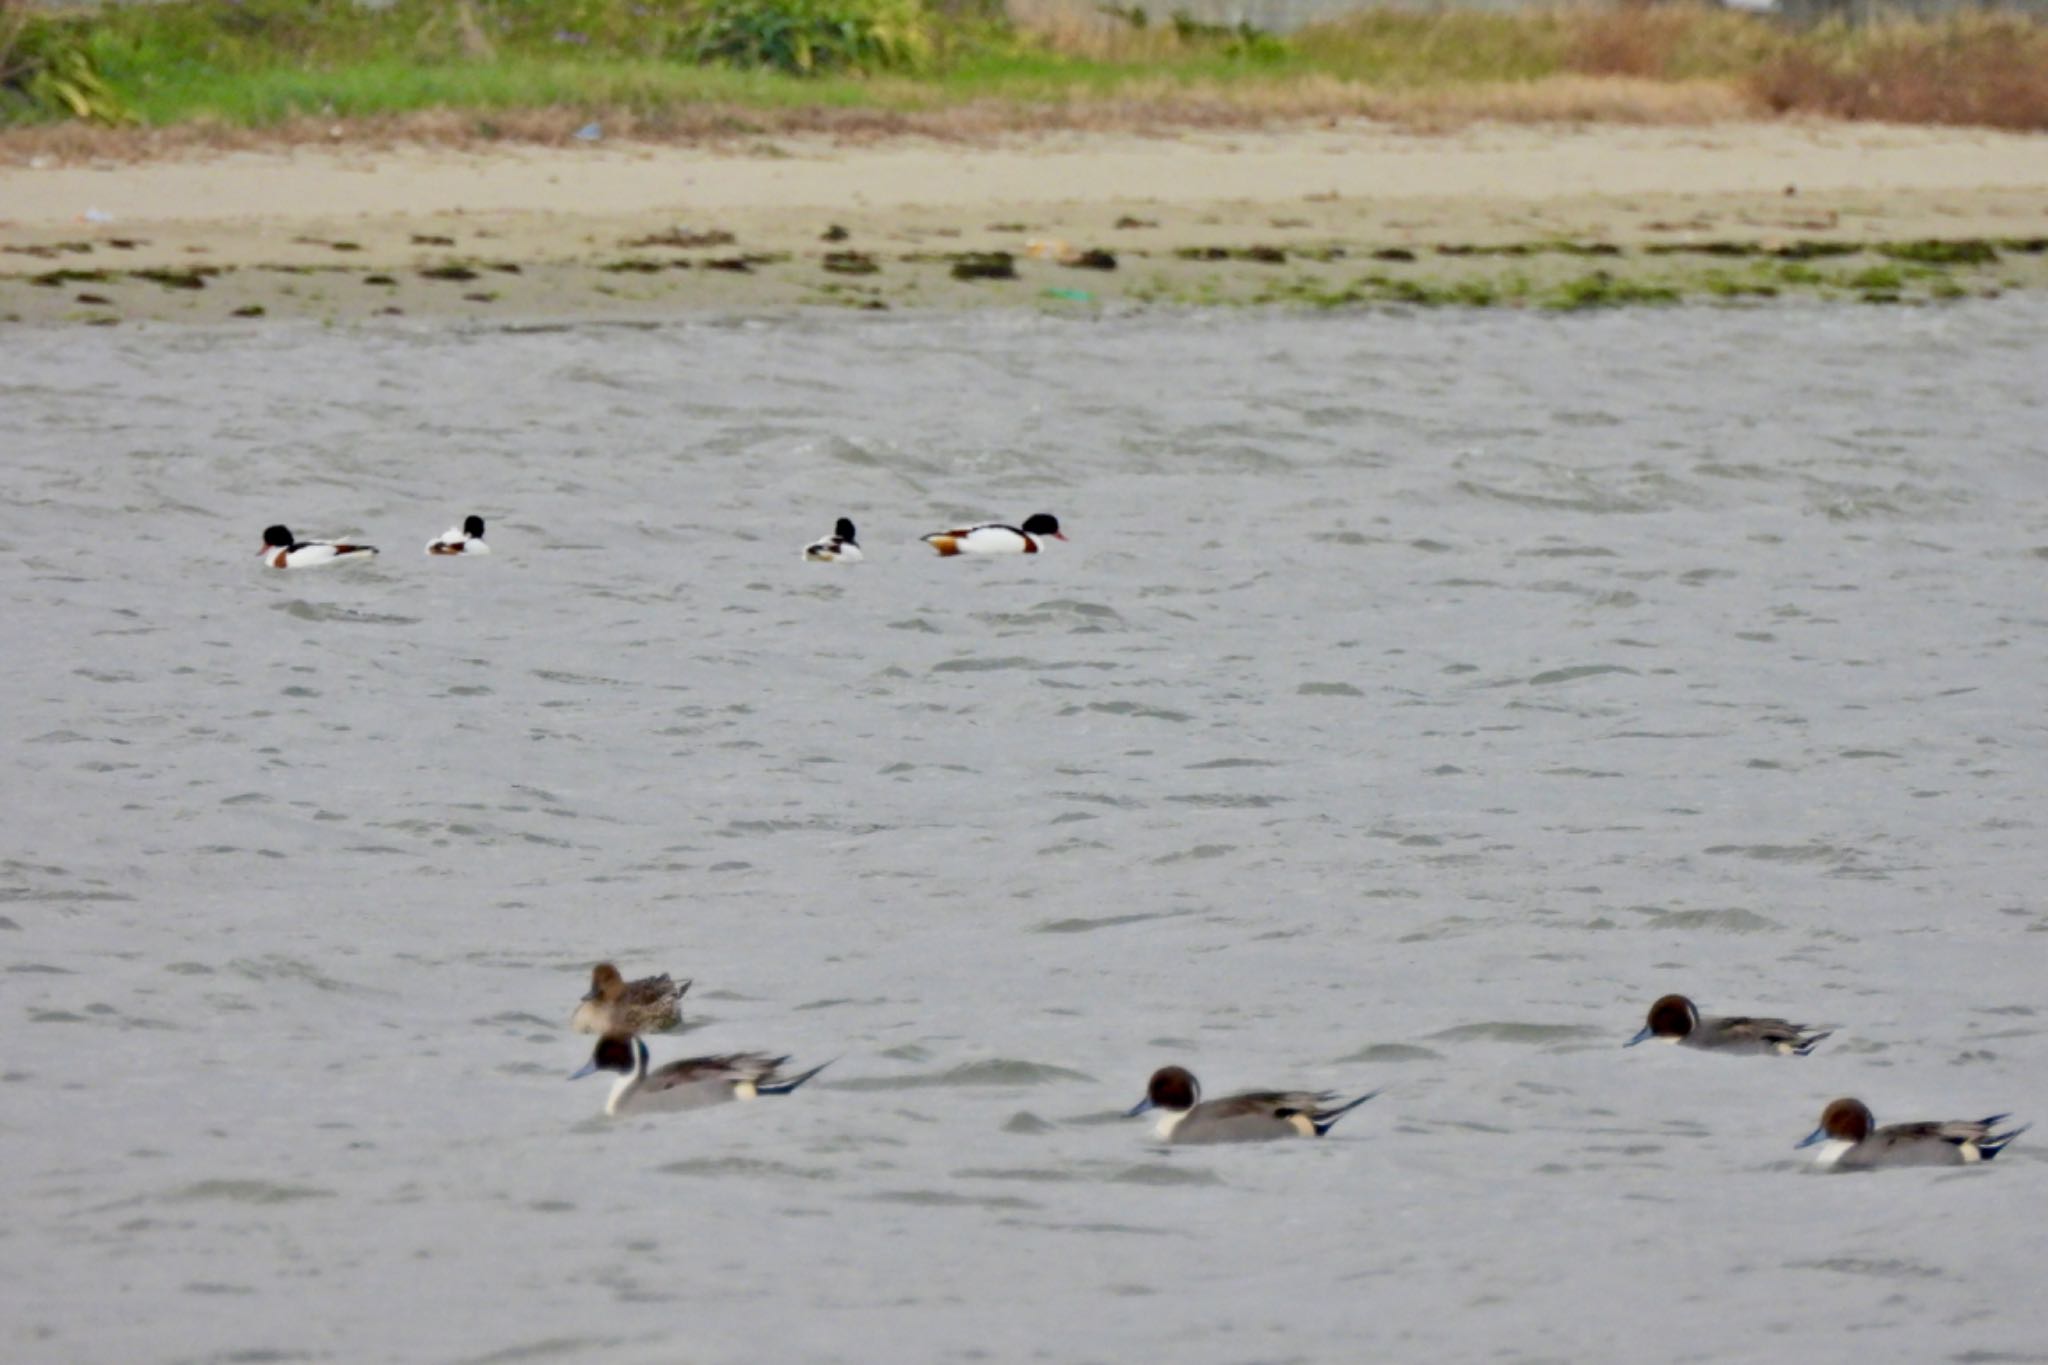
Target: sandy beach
x=608, y=230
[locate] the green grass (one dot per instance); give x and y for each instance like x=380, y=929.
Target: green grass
x=259, y=63
x=388, y=85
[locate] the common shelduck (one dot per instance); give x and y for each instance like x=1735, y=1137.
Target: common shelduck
x=837, y=548
x=995, y=538
x=466, y=539
x=281, y=551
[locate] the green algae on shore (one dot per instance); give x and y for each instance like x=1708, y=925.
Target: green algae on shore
x=1552, y=275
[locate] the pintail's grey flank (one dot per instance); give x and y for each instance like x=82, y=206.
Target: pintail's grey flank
x=1675, y=1019
x=1254, y=1116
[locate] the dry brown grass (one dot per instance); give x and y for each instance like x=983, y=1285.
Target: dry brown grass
x=1146, y=109
x=1989, y=72
x=1074, y=28
x=1569, y=100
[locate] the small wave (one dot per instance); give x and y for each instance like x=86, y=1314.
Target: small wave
x=1733, y=921
x=994, y=1071
x=1877, y=1268
x=1392, y=1052
x=945, y=1199
x=324, y=611
x=1507, y=1031
x=1088, y=926
x=245, y=1192
x=1162, y=1174
x=1560, y=675
x=1783, y=853
x=1129, y=708
x=975, y=664
x=745, y=1166
x=1199, y=853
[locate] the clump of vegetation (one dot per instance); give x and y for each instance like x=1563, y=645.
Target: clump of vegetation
x=984, y=265
x=810, y=37
x=1934, y=251
x=47, y=71
x=1603, y=290
x=1887, y=279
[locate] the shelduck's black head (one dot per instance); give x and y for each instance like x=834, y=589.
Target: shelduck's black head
x=278, y=536
x=844, y=530
x=473, y=526
x=1043, y=524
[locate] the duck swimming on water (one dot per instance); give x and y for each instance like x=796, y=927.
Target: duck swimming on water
x=837, y=548
x=466, y=539
x=1675, y=1019
x=282, y=550
x=996, y=538
x=1255, y=1116
x=692, y=1083
x=653, y=1004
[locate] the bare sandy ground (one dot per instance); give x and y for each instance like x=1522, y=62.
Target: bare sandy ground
x=534, y=220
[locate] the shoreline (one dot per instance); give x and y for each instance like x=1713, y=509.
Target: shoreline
x=1503, y=214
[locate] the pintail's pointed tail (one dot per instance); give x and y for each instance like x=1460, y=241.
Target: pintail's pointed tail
x=784, y=1087
x=1807, y=1044
x=1327, y=1120
x=1991, y=1145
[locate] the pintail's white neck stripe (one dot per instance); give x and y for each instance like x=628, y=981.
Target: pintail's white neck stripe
x=629, y=1082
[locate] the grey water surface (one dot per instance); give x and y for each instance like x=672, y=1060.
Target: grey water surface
x=1417, y=698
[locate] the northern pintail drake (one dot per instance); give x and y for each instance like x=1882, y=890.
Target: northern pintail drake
x=1257, y=1116
x=995, y=538
x=653, y=1004
x=466, y=539
x=837, y=548
x=283, y=551
x=1849, y=1140
x=691, y=1083
x=1675, y=1019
